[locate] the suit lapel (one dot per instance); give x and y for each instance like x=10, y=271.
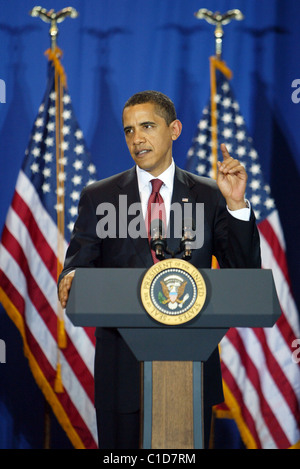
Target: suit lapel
x=182, y=194
x=128, y=187
x=183, y=187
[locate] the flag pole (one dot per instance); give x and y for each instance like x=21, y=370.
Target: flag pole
x=216, y=62
x=54, y=54
x=218, y=20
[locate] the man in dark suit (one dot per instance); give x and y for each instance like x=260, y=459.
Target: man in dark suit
x=230, y=233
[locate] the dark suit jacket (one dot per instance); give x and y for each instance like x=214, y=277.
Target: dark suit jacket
x=235, y=244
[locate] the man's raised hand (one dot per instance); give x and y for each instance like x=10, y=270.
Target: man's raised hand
x=232, y=180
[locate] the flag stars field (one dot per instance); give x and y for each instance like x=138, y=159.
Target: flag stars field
x=47, y=191
x=77, y=173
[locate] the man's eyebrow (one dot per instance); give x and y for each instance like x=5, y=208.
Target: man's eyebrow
x=141, y=124
x=147, y=123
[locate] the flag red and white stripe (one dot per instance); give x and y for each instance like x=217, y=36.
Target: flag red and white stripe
x=258, y=365
x=261, y=378
x=29, y=267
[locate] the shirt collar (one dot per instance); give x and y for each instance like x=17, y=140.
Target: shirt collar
x=144, y=177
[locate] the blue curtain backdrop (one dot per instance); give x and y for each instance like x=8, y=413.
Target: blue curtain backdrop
x=113, y=49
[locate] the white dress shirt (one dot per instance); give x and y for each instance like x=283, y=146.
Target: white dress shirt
x=166, y=191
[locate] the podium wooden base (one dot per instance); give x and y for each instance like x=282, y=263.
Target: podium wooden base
x=172, y=405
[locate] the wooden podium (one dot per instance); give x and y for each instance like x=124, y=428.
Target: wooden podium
x=172, y=356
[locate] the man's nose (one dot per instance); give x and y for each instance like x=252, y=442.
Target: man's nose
x=138, y=137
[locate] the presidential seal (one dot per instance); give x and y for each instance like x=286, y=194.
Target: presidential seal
x=173, y=291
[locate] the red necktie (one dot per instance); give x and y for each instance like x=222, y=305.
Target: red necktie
x=156, y=210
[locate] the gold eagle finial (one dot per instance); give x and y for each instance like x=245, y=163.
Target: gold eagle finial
x=53, y=17
x=219, y=20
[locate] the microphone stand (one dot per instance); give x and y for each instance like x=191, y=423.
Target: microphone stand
x=159, y=245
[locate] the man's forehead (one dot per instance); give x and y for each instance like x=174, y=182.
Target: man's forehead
x=140, y=113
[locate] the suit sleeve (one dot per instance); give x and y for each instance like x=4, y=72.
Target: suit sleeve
x=236, y=242
x=84, y=247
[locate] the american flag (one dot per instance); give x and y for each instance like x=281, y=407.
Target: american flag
x=260, y=378
x=29, y=266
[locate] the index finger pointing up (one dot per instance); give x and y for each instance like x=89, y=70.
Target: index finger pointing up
x=224, y=151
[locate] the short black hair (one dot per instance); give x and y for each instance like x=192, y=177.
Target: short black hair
x=164, y=105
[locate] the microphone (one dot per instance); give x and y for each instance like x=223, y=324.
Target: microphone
x=158, y=241
x=188, y=237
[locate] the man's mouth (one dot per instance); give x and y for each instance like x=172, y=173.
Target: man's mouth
x=141, y=152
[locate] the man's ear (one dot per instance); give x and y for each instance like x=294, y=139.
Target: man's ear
x=176, y=128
